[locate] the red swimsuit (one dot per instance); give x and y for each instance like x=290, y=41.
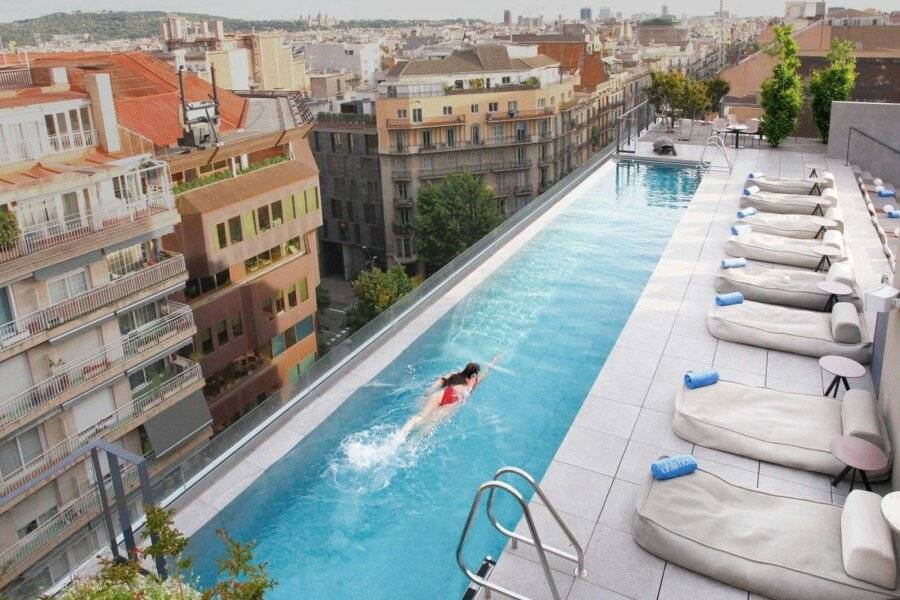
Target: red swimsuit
x=450, y=396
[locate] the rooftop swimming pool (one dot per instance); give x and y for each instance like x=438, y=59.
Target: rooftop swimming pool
x=351, y=514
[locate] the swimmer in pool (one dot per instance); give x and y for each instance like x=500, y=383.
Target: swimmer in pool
x=446, y=394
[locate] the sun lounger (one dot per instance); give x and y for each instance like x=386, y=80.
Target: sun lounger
x=783, y=250
x=774, y=545
x=794, y=430
x=792, y=185
x=842, y=331
x=800, y=204
x=791, y=225
x=797, y=288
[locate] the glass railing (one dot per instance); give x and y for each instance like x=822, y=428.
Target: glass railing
x=174, y=479
x=170, y=265
x=96, y=364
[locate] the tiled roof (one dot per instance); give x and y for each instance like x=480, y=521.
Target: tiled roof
x=850, y=13
x=88, y=164
x=479, y=59
x=35, y=95
x=146, y=91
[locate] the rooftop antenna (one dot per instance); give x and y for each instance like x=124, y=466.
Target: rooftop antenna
x=184, y=111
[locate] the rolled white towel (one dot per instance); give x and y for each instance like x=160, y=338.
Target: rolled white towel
x=877, y=181
x=888, y=208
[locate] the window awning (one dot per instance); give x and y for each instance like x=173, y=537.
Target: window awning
x=178, y=424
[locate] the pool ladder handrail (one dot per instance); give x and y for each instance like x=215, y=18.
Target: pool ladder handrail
x=535, y=540
x=714, y=141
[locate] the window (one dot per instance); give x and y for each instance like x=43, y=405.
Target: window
x=336, y=212
x=67, y=285
x=293, y=246
x=512, y=106
x=20, y=451
x=473, y=108
x=288, y=207
x=277, y=214
x=263, y=219
x=248, y=225
x=206, y=343
x=447, y=110
x=237, y=326
x=304, y=328
x=426, y=139
x=493, y=106
x=506, y=80
x=292, y=295
x=279, y=302
x=475, y=134
x=145, y=375
x=267, y=309
x=6, y=310
x=458, y=84
x=402, y=190
x=223, y=278
x=498, y=132
x=350, y=212
x=303, y=288
x=37, y=522
x=221, y=239
x=369, y=214
x=125, y=261
x=222, y=332
x=234, y=230
x=401, y=113
x=542, y=103
x=137, y=317
x=277, y=345
x=417, y=115
x=451, y=137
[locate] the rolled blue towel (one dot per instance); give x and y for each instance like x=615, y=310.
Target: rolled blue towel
x=894, y=214
x=746, y=212
x=741, y=229
x=887, y=193
x=756, y=175
x=729, y=299
x=733, y=263
x=750, y=190
x=673, y=466
x=696, y=379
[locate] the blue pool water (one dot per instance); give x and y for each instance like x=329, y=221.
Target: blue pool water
x=349, y=514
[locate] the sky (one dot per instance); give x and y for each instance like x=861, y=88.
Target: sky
x=11, y=10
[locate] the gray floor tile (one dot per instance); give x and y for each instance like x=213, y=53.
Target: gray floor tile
x=592, y=450
x=575, y=490
x=617, y=563
x=689, y=348
x=741, y=357
x=622, y=387
x=551, y=535
x=618, y=511
x=661, y=395
x=525, y=577
x=635, y=466
x=681, y=584
x=608, y=416
x=583, y=590
x=654, y=427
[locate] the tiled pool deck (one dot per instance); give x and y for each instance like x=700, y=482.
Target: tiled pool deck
x=626, y=418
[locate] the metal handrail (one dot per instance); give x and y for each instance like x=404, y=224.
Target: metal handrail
x=717, y=142
x=578, y=557
x=866, y=135
x=461, y=561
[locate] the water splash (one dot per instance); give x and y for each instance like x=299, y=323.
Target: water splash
x=369, y=460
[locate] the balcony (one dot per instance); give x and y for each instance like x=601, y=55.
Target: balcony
x=518, y=190
x=90, y=370
x=400, y=175
x=169, y=269
x=430, y=122
x=520, y=115
x=401, y=228
x=510, y=165
x=401, y=201
x=443, y=171
x=145, y=194
x=511, y=140
x=123, y=419
x=35, y=149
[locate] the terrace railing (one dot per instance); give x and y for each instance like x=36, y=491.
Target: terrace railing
x=35, y=148
x=94, y=365
x=20, y=330
x=47, y=234
x=14, y=78
x=143, y=401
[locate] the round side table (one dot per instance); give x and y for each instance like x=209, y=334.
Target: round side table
x=834, y=289
x=827, y=254
x=842, y=368
x=890, y=510
x=859, y=456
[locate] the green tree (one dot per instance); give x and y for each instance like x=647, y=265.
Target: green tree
x=782, y=93
x=716, y=89
x=9, y=229
x=239, y=578
x=832, y=84
x=170, y=543
x=451, y=216
x=375, y=291
x=663, y=93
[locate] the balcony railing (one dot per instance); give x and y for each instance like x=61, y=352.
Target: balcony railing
x=14, y=78
x=97, y=363
x=510, y=165
x=435, y=172
x=430, y=122
x=15, y=332
x=63, y=230
x=400, y=175
x=143, y=401
x=518, y=115
x=34, y=149
x=509, y=140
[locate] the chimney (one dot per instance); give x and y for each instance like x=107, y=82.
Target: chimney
x=220, y=29
x=204, y=28
x=103, y=110
x=59, y=76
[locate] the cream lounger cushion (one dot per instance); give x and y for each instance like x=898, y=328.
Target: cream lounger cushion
x=789, y=203
x=867, y=546
x=788, y=329
x=845, y=327
x=776, y=546
x=781, y=250
x=788, y=225
x=763, y=424
x=783, y=286
x=792, y=185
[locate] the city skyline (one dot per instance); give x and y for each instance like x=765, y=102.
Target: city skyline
x=400, y=9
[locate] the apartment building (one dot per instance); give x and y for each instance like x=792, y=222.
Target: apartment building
x=515, y=122
x=345, y=146
x=92, y=345
x=246, y=187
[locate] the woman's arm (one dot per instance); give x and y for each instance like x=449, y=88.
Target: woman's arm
x=487, y=369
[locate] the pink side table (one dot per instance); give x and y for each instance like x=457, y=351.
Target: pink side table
x=842, y=368
x=859, y=456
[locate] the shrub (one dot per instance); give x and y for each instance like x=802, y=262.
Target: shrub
x=9, y=230
x=782, y=93
x=833, y=84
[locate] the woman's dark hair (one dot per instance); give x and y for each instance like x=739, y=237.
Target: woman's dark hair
x=461, y=377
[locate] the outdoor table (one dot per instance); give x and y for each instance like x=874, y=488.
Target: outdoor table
x=737, y=130
x=827, y=253
x=842, y=368
x=859, y=456
x=834, y=289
